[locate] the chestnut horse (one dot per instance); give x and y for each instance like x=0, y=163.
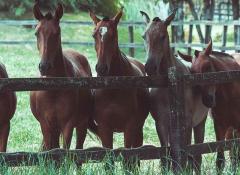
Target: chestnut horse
x=7, y=109
x=60, y=111
x=222, y=98
x=159, y=59
x=117, y=110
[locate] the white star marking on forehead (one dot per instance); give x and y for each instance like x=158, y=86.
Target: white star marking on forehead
x=103, y=31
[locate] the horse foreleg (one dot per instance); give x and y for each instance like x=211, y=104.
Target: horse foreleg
x=133, y=138
x=199, y=131
x=220, y=132
x=4, y=132
x=234, y=151
x=51, y=136
x=163, y=135
x=106, y=136
x=67, y=135
x=81, y=131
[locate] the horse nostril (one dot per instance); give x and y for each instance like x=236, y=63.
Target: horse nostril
x=209, y=101
x=44, y=67
x=150, y=69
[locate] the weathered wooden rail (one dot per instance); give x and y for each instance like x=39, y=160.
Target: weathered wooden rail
x=132, y=45
x=174, y=81
x=98, y=154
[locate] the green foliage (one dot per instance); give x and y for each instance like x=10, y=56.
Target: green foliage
x=132, y=8
x=19, y=8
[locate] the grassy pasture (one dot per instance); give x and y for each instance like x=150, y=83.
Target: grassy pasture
x=25, y=134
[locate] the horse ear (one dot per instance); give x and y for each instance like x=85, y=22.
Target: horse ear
x=208, y=50
x=37, y=12
x=196, y=53
x=118, y=16
x=94, y=17
x=187, y=58
x=171, y=17
x=59, y=12
x=145, y=17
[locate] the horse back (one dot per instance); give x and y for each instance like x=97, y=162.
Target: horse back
x=79, y=63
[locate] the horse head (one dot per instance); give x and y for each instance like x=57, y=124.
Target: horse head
x=201, y=63
x=106, y=41
x=157, y=44
x=48, y=35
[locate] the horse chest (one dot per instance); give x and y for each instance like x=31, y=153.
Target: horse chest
x=115, y=104
x=56, y=104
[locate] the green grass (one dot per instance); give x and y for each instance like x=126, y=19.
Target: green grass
x=25, y=134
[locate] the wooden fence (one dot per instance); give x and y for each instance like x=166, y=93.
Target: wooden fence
x=132, y=45
x=174, y=81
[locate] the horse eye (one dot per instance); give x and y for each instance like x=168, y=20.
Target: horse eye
x=144, y=36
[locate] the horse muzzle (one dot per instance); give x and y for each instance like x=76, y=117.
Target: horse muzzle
x=209, y=101
x=44, y=68
x=102, y=69
x=150, y=69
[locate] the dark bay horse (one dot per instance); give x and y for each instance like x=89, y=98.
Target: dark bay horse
x=159, y=59
x=117, y=110
x=60, y=111
x=222, y=98
x=8, y=102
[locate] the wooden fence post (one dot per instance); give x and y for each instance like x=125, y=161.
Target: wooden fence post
x=131, y=40
x=177, y=120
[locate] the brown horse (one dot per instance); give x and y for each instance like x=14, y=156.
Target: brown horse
x=7, y=109
x=117, y=110
x=159, y=59
x=222, y=98
x=59, y=111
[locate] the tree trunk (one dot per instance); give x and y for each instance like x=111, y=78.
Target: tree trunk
x=208, y=14
x=195, y=16
x=236, y=16
x=178, y=31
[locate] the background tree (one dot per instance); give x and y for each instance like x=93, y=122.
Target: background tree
x=20, y=7
x=236, y=16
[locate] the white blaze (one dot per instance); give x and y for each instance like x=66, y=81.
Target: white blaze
x=103, y=31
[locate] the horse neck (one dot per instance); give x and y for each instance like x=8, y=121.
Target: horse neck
x=169, y=59
x=59, y=65
x=120, y=66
